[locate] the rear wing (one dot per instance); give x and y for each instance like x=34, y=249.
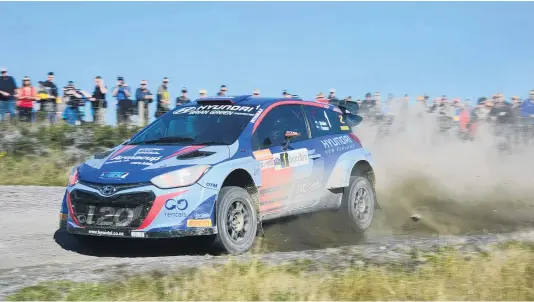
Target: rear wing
x=350, y=113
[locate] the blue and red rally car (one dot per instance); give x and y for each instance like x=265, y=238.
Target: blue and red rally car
x=218, y=167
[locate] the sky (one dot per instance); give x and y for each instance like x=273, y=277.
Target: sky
x=461, y=49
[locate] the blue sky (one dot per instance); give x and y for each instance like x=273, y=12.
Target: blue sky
x=462, y=49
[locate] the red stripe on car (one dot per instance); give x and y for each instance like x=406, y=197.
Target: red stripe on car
x=156, y=207
x=71, y=211
x=185, y=151
x=121, y=150
x=314, y=104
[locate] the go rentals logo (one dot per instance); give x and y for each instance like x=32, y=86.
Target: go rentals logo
x=176, y=208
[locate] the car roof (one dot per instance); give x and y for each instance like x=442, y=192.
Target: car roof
x=251, y=100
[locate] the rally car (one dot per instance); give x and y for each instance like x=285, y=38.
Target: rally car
x=220, y=166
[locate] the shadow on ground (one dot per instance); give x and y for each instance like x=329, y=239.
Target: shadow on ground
x=132, y=247
x=307, y=232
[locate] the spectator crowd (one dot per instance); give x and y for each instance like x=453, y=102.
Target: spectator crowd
x=30, y=102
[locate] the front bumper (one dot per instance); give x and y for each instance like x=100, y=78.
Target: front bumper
x=139, y=234
x=163, y=219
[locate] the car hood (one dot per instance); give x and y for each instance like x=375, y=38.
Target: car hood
x=140, y=163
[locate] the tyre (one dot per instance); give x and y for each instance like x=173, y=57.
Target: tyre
x=358, y=205
x=236, y=219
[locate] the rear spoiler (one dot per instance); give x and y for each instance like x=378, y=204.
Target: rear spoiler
x=351, y=118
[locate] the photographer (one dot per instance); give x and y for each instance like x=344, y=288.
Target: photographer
x=8, y=91
x=74, y=100
x=124, y=104
x=144, y=97
x=183, y=99
x=48, y=101
x=98, y=100
x=163, y=99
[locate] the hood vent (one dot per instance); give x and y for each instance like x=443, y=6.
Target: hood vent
x=195, y=154
x=103, y=155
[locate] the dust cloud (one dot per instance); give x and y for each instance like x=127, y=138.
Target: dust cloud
x=455, y=187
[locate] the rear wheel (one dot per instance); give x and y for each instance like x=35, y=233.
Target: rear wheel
x=358, y=206
x=236, y=220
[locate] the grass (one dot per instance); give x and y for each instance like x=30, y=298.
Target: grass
x=52, y=170
x=505, y=274
x=39, y=154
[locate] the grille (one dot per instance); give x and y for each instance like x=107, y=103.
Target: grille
x=118, y=187
x=124, y=211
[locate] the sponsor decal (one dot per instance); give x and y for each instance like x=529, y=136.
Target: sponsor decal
x=138, y=234
x=139, y=160
x=150, y=151
x=113, y=175
x=217, y=110
x=107, y=233
x=341, y=119
x=201, y=215
x=107, y=216
x=307, y=187
x=267, y=164
x=322, y=125
x=211, y=185
x=143, y=163
x=293, y=158
x=344, y=127
x=257, y=171
x=255, y=117
x=338, y=144
x=175, y=208
x=263, y=154
x=265, y=157
x=198, y=223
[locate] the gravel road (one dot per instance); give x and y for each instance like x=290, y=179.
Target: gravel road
x=32, y=249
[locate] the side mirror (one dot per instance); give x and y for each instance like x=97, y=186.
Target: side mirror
x=289, y=135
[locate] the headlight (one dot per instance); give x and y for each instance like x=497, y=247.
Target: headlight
x=180, y=178
x=73, y=177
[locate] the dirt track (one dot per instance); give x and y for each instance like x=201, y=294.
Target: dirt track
x=32, y=249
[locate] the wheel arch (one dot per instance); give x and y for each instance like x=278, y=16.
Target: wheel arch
x=242, y=178
x=363, y=168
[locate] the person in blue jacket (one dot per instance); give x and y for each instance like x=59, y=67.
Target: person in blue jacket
x=527, y=108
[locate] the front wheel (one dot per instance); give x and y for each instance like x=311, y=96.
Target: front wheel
x=236, y=220
x=358, y=206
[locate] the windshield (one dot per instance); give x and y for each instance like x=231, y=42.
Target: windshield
x=198, y=125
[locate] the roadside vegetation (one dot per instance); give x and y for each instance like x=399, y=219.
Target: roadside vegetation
x=44, y=154
x=506, y=273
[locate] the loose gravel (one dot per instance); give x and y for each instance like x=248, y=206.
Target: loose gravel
x=32, y=248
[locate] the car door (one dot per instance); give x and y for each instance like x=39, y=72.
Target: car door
x=288, y=171
x=330, y=138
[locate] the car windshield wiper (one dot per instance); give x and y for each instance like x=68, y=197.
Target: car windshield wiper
x=211, y=143
x=165, y=140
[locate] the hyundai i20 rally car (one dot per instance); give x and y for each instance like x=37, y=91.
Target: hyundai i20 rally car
x=218, y=167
